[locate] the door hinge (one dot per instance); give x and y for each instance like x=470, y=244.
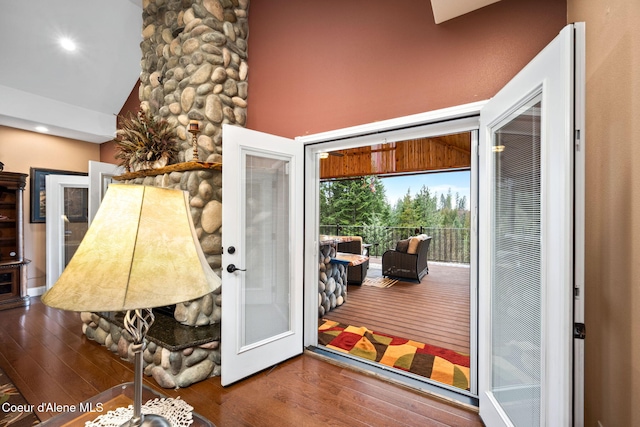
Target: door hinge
x=579, y=331
x=577, y=139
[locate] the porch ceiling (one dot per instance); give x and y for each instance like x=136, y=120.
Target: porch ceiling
x=411, y=156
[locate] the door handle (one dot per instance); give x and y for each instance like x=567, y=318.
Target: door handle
x=231, y=268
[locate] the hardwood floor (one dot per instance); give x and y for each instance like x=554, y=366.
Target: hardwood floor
x=48, y=358
x=434, y=311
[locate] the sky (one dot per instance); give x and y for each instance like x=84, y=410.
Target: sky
x=459, y=181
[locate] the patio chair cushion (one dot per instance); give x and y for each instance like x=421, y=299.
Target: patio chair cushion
x=414, y=242
x=413, y=245
x=402, y=245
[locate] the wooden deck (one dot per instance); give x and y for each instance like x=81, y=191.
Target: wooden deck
x=45, y=354
x=435, y=311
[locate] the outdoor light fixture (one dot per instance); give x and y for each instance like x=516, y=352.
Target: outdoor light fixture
x=140, y=252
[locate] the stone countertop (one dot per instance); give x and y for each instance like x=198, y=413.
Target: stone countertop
x=169, y=333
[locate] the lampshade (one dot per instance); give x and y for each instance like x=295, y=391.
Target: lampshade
x=141, y=251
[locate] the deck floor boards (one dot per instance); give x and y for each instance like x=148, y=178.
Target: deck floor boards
x=435, y=311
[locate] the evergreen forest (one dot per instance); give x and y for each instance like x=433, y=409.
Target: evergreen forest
x=359, y=207
x=362, y=202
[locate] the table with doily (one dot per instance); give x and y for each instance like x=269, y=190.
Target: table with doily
x=114, y=407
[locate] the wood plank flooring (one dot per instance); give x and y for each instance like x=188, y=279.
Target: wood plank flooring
x=48, y=358
x=434, y=311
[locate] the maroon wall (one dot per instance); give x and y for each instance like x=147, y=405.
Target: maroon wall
x=321, y=65
x=131, y=106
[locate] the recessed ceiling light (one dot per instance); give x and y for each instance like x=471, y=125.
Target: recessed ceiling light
x=42, y=129
x=67, y=44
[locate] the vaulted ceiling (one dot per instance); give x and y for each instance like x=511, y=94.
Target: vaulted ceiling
x=78, y=94
x=74, y=94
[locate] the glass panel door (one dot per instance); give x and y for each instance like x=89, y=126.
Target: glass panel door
x=75, y=219
x=516, y=287
x=67, y=220
x=262, y=234
x=527, y=241
x=267, y=237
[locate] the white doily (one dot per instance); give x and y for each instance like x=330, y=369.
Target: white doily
x=178, y=412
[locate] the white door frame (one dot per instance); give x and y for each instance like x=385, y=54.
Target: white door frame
x=463, y=118
x=54, y=230
x=579, y=218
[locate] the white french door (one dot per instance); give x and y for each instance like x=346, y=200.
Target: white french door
x=262, y=239
x=531, y=216
x=72, y=202
x=66, y=221
x=528, y=270
x=100, y=176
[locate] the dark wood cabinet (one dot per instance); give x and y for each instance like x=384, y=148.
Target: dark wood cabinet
x=13, y=281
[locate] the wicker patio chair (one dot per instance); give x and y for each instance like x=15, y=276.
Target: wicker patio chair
x=407, y=261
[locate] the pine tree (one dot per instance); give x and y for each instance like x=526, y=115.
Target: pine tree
x=407, y=216
x=352, y=202
x=426, y=207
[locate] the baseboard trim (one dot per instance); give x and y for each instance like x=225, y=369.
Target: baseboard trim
x=36, y=292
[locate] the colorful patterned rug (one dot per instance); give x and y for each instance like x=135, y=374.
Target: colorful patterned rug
x=10, y=399
x=436, y=363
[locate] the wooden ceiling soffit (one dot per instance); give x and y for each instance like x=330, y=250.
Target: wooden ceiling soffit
x=417, y=155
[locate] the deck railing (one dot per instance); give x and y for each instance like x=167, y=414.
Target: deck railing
x=447, y=244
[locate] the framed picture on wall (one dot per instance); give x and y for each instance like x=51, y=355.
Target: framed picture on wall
x=38, y=196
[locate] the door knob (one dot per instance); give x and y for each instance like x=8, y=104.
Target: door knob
x=231, y=268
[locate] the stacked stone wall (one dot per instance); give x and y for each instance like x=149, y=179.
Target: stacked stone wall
x=194, y=67
x=170, y=369
x=332, y=280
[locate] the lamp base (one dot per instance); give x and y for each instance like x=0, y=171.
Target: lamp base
x=149, y=420
x=137, y=323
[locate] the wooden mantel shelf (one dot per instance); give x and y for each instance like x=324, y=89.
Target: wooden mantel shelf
x=178, y=167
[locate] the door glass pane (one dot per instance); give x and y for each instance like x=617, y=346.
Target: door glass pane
x=516, y=319
x=75, y=218
x=266, y=288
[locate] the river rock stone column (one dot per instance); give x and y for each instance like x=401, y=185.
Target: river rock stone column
x=194, y=67
x=179, y=368
x=332, y=280
x=170, y=369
